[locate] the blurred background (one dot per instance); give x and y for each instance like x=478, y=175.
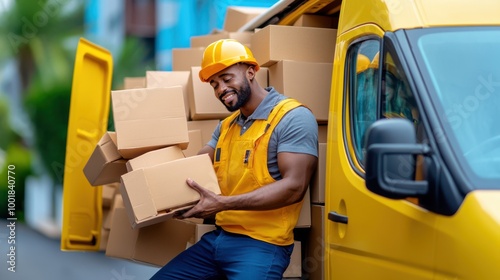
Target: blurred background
x=37, y=48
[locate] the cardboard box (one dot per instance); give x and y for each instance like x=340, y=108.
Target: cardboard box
x=204, y=40
x=155, y=157
x=103, y=243
x=262, y=77
x=154, y=194
x=308, y=82
x=185, y=58
x=312, y=20
x=195, y=143
x=304, y=220
x=322, y=133
x=237, y=16
x=206, y=127
x=315, y=255
x=294, y=269
x=276, y=42
x=134, y=82
x=117, y=203
x=108, y=194
x=154, y=245
x=148, y=119
x=105, y=164
x=203, y=104
x=165, y=79
x=318, y=181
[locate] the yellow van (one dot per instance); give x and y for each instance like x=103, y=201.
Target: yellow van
x=413, y=151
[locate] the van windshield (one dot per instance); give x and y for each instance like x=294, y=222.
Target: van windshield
x=463, y=65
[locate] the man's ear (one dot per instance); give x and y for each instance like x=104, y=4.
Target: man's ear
x=250, y=72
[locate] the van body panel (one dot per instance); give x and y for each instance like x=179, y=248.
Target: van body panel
x=406, y=14
x=88, y=121
x=463, y=239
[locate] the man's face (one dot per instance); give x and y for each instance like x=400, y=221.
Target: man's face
x=231, y=86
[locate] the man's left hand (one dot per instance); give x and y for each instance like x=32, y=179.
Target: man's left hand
x=209, y=204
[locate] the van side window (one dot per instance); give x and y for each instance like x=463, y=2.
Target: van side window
x=397, y=100
x=363, y=84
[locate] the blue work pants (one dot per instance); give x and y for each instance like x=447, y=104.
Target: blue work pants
x=223, y=255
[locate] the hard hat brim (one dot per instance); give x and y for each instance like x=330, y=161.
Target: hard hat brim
x=210, y=70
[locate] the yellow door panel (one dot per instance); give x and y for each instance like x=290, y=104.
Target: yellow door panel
x=88, y=120
x=388, y=239
x=464, y=238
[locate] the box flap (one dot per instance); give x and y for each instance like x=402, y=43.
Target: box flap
x=155, y=157
x=137, y=197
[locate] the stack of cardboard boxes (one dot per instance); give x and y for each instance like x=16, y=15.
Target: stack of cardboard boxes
x=164, y=118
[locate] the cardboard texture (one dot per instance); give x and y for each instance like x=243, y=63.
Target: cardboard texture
x=104, y=239
x=155, y=157
x=322, y=133
x=318, y=181
x=148, y=119
x=154, y=245
x=206, y=127
x=304, y=220
x=117, y=203
x=185, y=58
x=273, y=43
x=262, y=77
x=203, y=104
x=311, y=20
x=237, y=16
x=165, y=79
x=105, y=165
x=134, y=82
x=294, y=269
x=308, y=82
x=195, y=143
x=204, y=40
x=108, y=194
x=153, y=194
x=315, y=254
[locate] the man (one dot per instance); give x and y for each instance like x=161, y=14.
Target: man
x=264, y=155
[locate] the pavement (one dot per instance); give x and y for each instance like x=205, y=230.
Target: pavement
x=39, y=257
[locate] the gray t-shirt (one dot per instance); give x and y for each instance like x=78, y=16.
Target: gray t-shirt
x=297, y=132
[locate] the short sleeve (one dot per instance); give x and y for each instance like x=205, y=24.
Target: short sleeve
x=215, y=136
x=297, y=132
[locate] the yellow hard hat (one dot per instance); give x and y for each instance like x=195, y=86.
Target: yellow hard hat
x=223, y=53
x=374, y=63
x=362, y=63
x=391, y=66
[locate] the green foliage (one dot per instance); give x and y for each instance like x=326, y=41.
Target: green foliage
x=42, y=36
x=131, y=62
x=48, y=108
x=18, y=156
x=5, y=129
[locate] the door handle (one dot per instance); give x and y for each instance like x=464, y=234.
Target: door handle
x=336, y=217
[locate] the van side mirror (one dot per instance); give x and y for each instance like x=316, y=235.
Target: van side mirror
x=391, y=146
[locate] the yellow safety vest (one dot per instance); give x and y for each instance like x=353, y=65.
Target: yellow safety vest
x=240, y=162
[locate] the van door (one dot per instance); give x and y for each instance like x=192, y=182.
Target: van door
x=88, y=121
x=368, y=236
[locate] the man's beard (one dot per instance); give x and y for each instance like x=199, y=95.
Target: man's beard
x=243, y=95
